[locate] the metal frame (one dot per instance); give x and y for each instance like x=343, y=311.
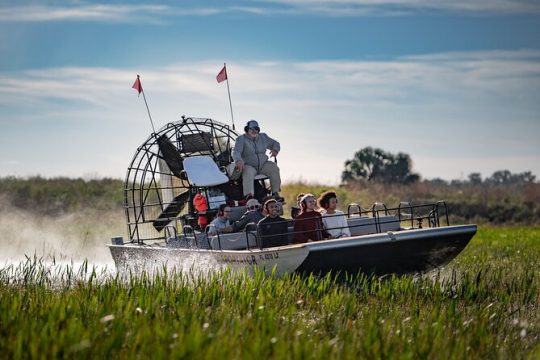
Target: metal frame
x=143, y=198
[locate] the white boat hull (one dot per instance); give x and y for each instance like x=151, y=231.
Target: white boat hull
x=399, y=252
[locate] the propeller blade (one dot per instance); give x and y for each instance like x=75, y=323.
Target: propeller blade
x=171, y=211
x=170, y=154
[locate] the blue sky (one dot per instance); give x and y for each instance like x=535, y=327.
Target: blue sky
x=453, y=84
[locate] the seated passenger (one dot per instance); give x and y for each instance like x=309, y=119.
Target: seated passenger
x=295, y=209
x=221, y=224
x=273, y=229
x=201, y=206
x=252, y=215
x=334, y=221
x=278, y=204
x=308, y=225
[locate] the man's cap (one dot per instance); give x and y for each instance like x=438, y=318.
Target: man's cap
x=253, y=124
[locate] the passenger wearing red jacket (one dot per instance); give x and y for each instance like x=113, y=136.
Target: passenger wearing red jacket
x=308, y=225
x=201, y=206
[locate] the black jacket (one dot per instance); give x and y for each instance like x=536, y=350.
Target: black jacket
x=273, y=231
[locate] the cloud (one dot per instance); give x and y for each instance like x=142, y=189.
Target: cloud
x=455, y=105
x=162, y=13
x=126, y=13
x=402, y=7
x=501, y=72
x=98, y=13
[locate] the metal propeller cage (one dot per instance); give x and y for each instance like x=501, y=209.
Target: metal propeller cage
x=156, y=192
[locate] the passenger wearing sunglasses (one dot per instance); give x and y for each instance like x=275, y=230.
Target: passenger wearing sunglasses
x=252, y=215
x=249, y=155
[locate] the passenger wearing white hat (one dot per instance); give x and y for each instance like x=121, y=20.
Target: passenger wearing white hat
x=252, y=215
x=249, y=155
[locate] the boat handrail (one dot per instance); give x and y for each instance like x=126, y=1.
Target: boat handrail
x=167, y=233
x=354, y=205
x=207, y=230
x=249, y=230
x=410, y=207
x=379, y=220
x=443, y=203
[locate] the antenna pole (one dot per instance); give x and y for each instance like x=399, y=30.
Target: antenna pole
x=229, y=92
x=138, y=86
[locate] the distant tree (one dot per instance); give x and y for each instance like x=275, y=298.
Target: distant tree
x=456, y=182
x=525, y=177
x=437, y=181
x=377, y=165
x=505, y=177
x=475, y=178
x=501, y=177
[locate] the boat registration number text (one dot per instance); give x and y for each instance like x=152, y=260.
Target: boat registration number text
x=247, y=259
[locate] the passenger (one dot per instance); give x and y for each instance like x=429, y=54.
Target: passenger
x=201, y=206
x=334, y=221
x=221, y=224
x=273, y=229
x=279, y=205
x=252, y=215
x=308, y=225
x=249, y=154
x=295, y=209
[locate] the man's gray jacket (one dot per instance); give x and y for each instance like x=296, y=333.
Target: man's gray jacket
x=253, y=151
x=250, y=216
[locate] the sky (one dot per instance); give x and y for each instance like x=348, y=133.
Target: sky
x=454, y=84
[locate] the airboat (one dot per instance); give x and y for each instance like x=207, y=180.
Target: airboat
x=191, y=156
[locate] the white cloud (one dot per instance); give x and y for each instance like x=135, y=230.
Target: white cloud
x=383, y=7
x=127, y=13
x=160, y=14
x=100, y=13
x=479, y=109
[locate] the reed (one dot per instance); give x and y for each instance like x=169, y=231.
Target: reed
x=485, y=304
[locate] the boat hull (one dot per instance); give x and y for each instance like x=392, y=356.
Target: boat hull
x=403, y=252
x=399, y=252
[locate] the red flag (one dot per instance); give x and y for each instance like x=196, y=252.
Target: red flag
x=222, y=76
x=137, y=85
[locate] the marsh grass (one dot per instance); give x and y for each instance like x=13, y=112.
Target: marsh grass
x=485, y=304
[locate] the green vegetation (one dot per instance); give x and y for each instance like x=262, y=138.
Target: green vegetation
x=61, y=195
x=467, y=202
x=485, y=304
x=485, y=202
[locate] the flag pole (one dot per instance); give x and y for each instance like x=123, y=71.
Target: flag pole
x=146, y=103
x=229, y=92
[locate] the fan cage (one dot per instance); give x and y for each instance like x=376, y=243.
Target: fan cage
x=150, y=185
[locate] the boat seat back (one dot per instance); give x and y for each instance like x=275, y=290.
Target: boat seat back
x=236, y=213
x=197, y=142
x=366, y=225
x=203, y=171
x=233, y=241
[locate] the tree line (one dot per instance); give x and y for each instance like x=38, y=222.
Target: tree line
x=374, y=164
x=502, y=198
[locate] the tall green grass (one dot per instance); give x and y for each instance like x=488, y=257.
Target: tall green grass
x=485, y=304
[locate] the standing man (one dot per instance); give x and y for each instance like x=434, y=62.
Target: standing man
x=249, y=155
